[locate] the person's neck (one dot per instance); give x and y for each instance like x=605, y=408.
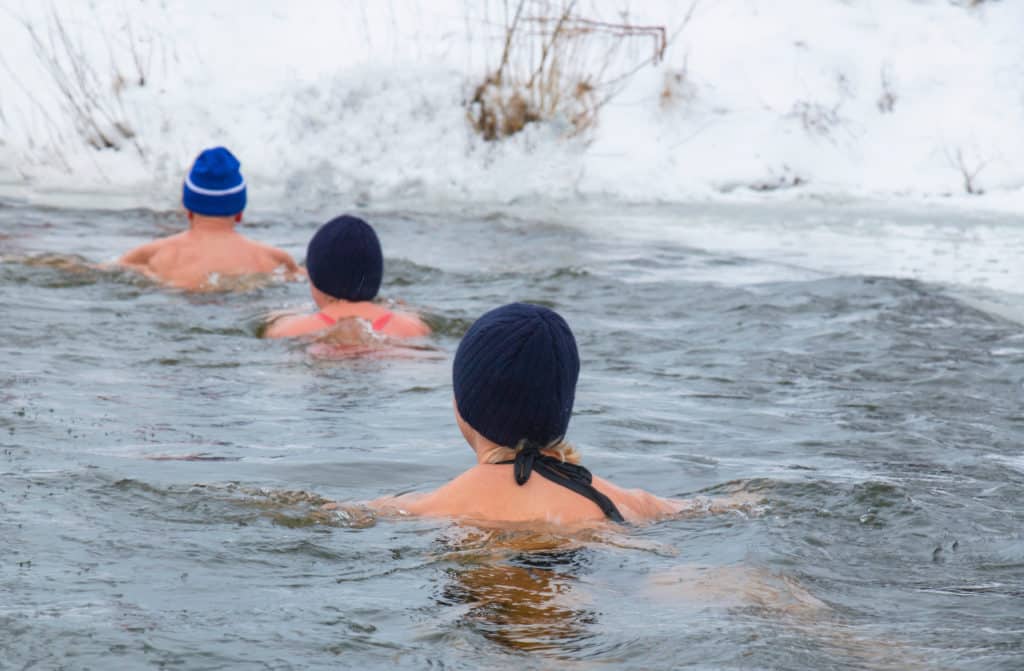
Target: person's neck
x=211, y=225
x=487, y=452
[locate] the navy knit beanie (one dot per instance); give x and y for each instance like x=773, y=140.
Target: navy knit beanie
x=344, y=259
x=515, y=375
x=215, y=186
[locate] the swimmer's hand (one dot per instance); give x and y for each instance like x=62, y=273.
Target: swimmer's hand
x=292, y=270
x=291, y=274
x=345, y=514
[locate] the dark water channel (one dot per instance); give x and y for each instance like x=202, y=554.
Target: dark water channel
x=877, y=420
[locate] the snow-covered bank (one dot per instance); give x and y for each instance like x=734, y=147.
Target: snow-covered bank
x=347, y=102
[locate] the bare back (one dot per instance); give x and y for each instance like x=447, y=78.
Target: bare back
x=489, y=492
x=386, y=322
x=191, y=259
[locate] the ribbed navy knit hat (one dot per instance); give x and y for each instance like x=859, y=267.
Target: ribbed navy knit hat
x=515, y=375
x=214, y=186
x=344, y=259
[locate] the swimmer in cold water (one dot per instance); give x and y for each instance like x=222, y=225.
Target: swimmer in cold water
x=345, y=266
x=514, y=378
x=214, y=195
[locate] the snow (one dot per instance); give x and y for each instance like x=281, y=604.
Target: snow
x=346, y=102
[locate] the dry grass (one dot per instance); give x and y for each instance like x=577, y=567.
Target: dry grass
x=556, y=64
x=92, y=97
x=816, y=118
x=886, y=102
x=676, y=87
x=821, y=119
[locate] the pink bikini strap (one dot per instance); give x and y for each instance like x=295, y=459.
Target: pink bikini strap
x=330, y=321
x=380, y=322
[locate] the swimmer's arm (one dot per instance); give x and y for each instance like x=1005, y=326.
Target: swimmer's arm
x=647, y=506
x=650, y=507
x=413, y=503
x=700, y=505
x=138, y=258
x=283, y=258
x=636, y=505
x=641, y=505
x=402, y=504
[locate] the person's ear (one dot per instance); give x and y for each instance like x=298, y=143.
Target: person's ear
x=238, y=217
x=190, y=215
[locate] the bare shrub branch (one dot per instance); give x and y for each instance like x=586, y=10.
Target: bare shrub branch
x=967, y=173
x=556, y=63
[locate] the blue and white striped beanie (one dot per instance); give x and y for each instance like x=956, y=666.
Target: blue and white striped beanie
x=214, y=186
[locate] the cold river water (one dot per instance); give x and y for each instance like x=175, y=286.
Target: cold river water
x=856, y=371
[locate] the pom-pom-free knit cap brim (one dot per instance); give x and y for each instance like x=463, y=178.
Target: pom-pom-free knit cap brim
x=515, y=375
x=344, y=259
x=215, y=186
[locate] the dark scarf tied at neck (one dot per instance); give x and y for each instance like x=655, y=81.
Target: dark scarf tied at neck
x=571, y=476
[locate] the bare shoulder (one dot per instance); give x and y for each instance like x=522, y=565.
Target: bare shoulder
x=296, y=325
x=408, y=325
x=458, y=496
x=278, y=256
x=143, y=253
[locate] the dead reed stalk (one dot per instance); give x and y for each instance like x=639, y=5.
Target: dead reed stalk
x=556, y=64
x=94, y=104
